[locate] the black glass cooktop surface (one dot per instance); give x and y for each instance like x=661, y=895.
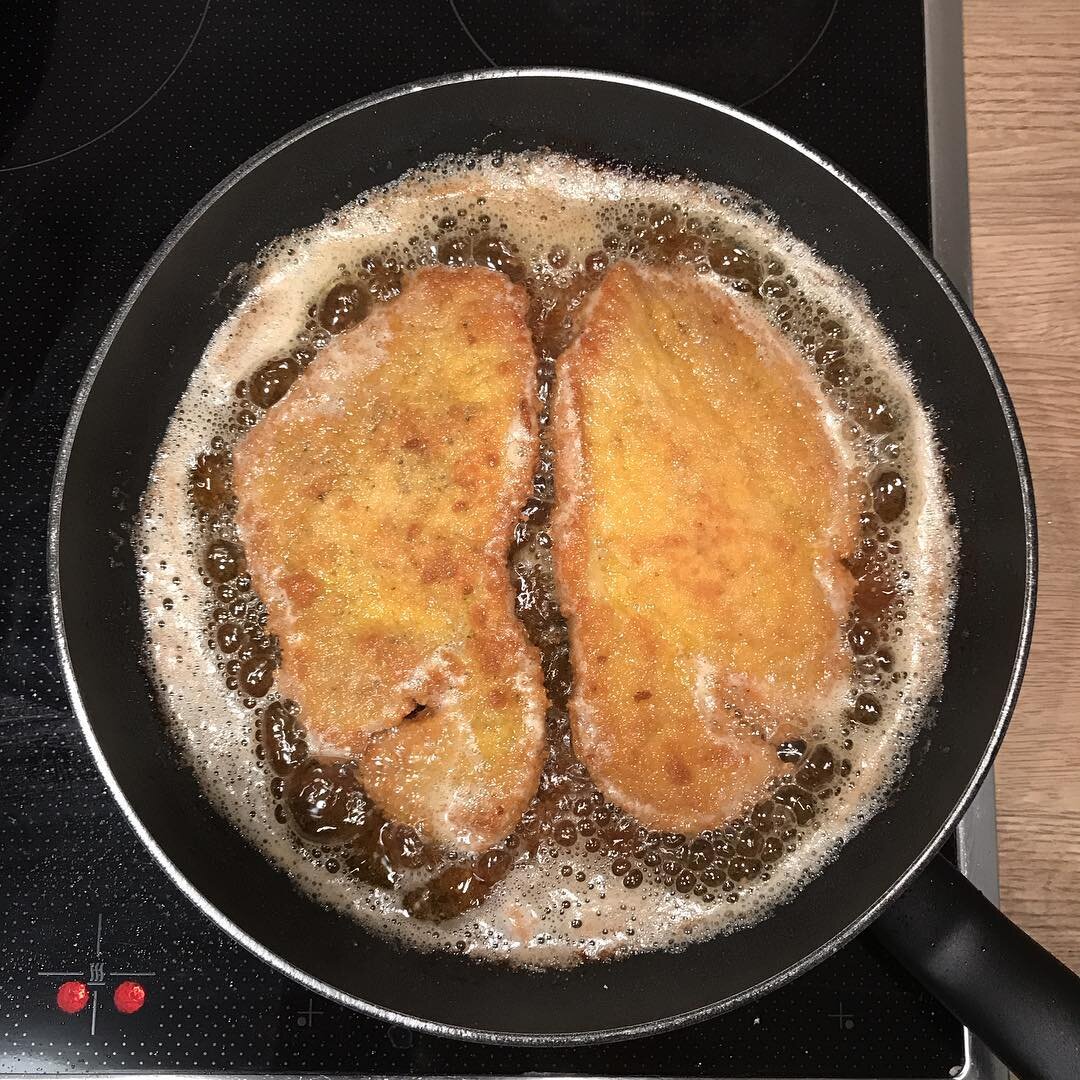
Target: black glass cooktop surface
x=115, y=118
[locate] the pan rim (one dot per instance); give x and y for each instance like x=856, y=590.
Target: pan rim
x=481, y=1035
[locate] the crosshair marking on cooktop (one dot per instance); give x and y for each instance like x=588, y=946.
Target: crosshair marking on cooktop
x=845, y=1020
x=70, y=74
x=306, y=1017
x=738, y=50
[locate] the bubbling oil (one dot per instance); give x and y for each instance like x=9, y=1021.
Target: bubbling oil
x=578, y=878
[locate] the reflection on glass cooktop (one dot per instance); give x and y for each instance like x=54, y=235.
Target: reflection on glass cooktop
x=115, y=118
x=736, y=49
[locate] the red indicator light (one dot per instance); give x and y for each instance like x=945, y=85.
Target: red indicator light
x=129, y=997
x=72, y=996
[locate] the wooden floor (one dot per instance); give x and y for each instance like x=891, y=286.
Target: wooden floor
x=1023, y=102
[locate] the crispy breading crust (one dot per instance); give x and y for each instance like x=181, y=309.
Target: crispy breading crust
x=703, y=507
x=376, y=502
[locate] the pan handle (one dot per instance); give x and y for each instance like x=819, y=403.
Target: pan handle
x=1019, y=1000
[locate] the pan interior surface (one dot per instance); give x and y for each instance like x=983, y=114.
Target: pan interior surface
x=145, y=363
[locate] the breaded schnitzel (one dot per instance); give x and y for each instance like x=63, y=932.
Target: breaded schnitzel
x=376, y=503
x=703, y=507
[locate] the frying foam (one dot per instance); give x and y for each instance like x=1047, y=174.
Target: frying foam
x=537, y=200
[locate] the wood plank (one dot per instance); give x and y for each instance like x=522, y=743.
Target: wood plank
x=1023, y=98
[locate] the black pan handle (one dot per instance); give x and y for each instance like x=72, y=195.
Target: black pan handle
x=1021, y=1001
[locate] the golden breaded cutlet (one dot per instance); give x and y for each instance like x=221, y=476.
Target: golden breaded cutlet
x=376, y=503
x=703, y=508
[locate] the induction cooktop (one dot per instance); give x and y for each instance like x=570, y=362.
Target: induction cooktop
x=115, y=118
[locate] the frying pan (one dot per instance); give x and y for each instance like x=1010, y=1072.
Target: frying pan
x=1020, y=1000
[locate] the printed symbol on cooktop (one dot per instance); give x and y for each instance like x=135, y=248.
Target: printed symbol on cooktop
x=737, y=50
x=80, y=988
x=401, y=1038
x=844, y=1019
x=306, y=1017
x=73, y=73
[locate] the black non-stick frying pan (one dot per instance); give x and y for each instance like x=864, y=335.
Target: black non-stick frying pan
x=1022, y=1002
